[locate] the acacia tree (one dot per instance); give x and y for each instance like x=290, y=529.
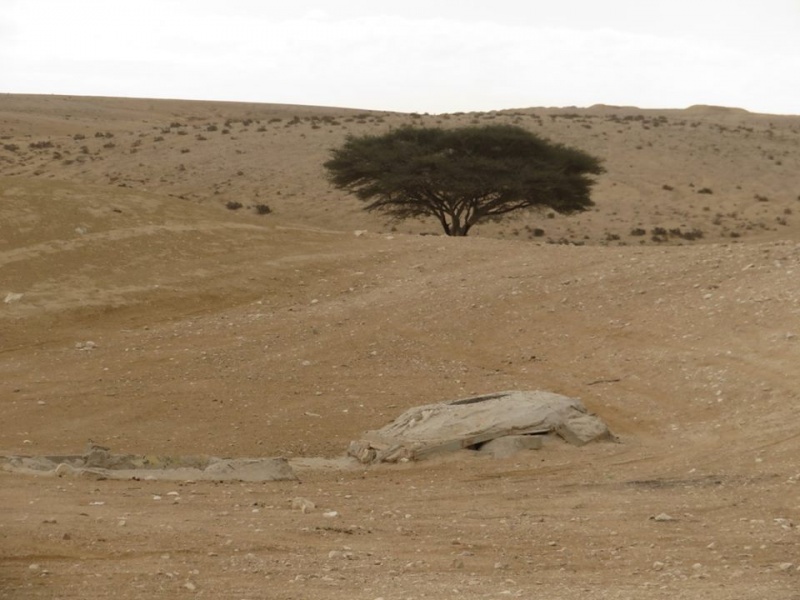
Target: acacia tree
x=462, y=176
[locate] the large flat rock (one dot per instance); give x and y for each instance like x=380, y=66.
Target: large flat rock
x=470, y=422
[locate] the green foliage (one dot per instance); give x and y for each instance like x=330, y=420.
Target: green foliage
x=462, y=176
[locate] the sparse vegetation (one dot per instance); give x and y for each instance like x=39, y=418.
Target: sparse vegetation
x=694, y=153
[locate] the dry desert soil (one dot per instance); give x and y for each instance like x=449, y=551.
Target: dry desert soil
x=141, y=310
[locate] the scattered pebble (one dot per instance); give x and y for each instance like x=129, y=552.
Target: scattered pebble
x=304, y=505
x=663, y=517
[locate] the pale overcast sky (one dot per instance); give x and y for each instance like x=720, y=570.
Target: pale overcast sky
x=410, y=55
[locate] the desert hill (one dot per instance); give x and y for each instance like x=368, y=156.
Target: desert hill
x=142, y=311
x=704, y=171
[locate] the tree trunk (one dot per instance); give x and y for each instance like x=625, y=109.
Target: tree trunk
x=455, y=228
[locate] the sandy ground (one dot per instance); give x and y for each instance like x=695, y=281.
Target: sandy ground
x=228, y=333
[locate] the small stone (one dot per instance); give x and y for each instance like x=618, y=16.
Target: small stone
x=304, y=505
x=662, y=518
x=658, y=566
x=786, y=567
x=331, y=514
x=34, y=567
x=190, y=586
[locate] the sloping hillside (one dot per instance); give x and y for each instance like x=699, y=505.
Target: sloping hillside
x=673, y=175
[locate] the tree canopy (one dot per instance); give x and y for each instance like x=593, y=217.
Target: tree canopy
x=462, y=176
